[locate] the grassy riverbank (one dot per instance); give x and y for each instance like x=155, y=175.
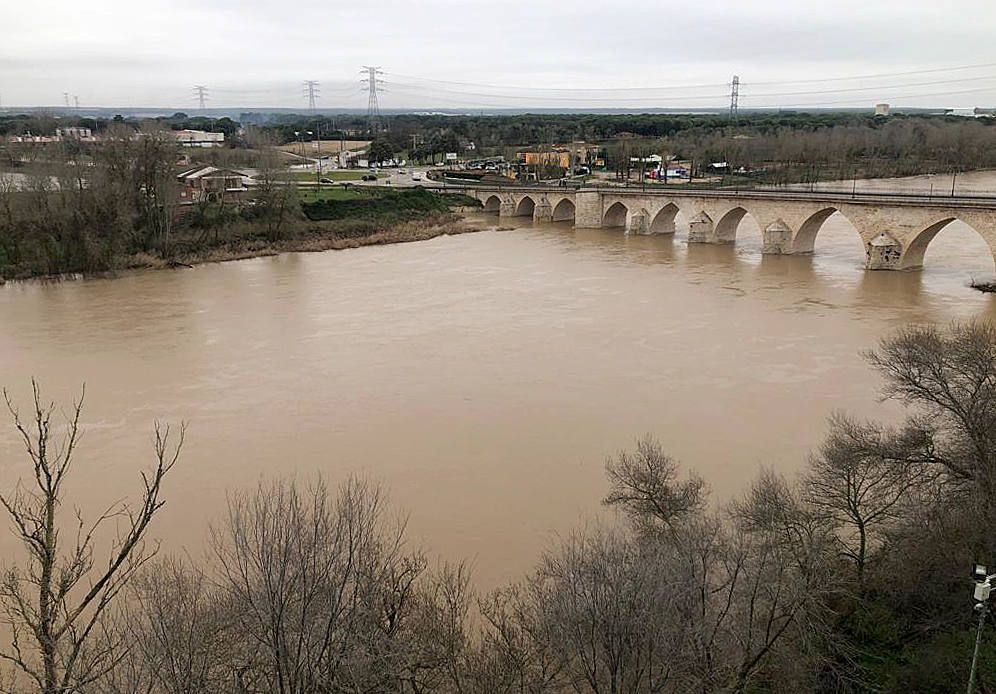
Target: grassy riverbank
x=216, y=233
x=315, y=236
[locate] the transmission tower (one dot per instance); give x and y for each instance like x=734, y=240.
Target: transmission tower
x=200, y=91
x=373, y=86
x=734, y=98
x=311, y=91
x=65, y=97
x=76, y=100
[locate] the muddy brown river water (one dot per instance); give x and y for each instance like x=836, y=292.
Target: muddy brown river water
x=484, y=378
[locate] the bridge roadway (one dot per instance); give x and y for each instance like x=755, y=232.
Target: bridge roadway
x=895, y=228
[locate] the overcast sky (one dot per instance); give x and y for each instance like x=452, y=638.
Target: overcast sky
x=501, y=52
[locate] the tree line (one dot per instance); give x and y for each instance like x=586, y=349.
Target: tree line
x=778, y=147
x=781, y=148
x=850, y=577
x=98, y=206
x=92, y=203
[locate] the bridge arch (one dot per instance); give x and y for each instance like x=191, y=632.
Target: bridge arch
x=916, y=248
x=805, y=238
x=726, y=227
x=615, y=216
x=564, y=211
x=525, y=207
x=664, y=221
x=492, y=204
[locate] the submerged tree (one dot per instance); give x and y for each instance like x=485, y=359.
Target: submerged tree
x=55, y=604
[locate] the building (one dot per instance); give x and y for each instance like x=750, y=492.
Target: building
x=75, y=133
x=199, y=138
x=563, y=156
x=881, y=109
x=969, y=112
x=553, y=158
x=211, y=184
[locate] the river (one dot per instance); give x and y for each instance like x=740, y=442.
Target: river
x=483, y=377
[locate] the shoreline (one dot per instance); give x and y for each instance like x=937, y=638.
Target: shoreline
x=319, y=240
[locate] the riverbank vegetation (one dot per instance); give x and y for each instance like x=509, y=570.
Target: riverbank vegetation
x=98, y=208
x=849, y=577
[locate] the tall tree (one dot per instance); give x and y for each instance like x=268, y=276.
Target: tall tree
x=56, y=602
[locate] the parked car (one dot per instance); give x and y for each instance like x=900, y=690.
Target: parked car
x=369, y=177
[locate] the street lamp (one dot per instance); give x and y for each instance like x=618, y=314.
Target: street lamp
x=983, y=587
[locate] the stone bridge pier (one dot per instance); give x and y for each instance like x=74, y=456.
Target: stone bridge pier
x=895, y=234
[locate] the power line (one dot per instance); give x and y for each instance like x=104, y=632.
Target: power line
x=311, y=91
x=904, y=96
x=883, y=74
x=373, y=86
x=200, y=91
x=734, y=97
x=697, y=86
x=563, y=89
x=402, y=87
x=880, y=87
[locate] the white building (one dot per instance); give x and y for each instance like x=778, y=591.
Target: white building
x=199, y=138
x=970, y=112
x=77, y=133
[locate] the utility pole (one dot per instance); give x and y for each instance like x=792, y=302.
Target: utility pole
x=373, y=86
x=734, y=98
x=983, y=589
x=200, y=91
x=311, y=91
x=318, y=133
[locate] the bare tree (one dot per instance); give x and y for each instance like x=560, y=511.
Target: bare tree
x=859, y=488
x=438, y=647
x=275, y=198
x=518, y=652
x=645, y=485
x=323, y=587
x=156, y=153
x=178, y=623
x=609, y=608
x=55, y=604
x=781, y=578
x=949, y=377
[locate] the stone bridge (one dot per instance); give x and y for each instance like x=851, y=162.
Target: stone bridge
x=895, y=229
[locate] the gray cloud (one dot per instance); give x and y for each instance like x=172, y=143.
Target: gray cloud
x=252, y=52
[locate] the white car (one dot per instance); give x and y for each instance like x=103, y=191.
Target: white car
x=416, y=177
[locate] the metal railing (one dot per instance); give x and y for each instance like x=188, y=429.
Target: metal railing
x=761, y=191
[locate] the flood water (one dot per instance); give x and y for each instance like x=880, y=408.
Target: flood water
x=484, y=377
